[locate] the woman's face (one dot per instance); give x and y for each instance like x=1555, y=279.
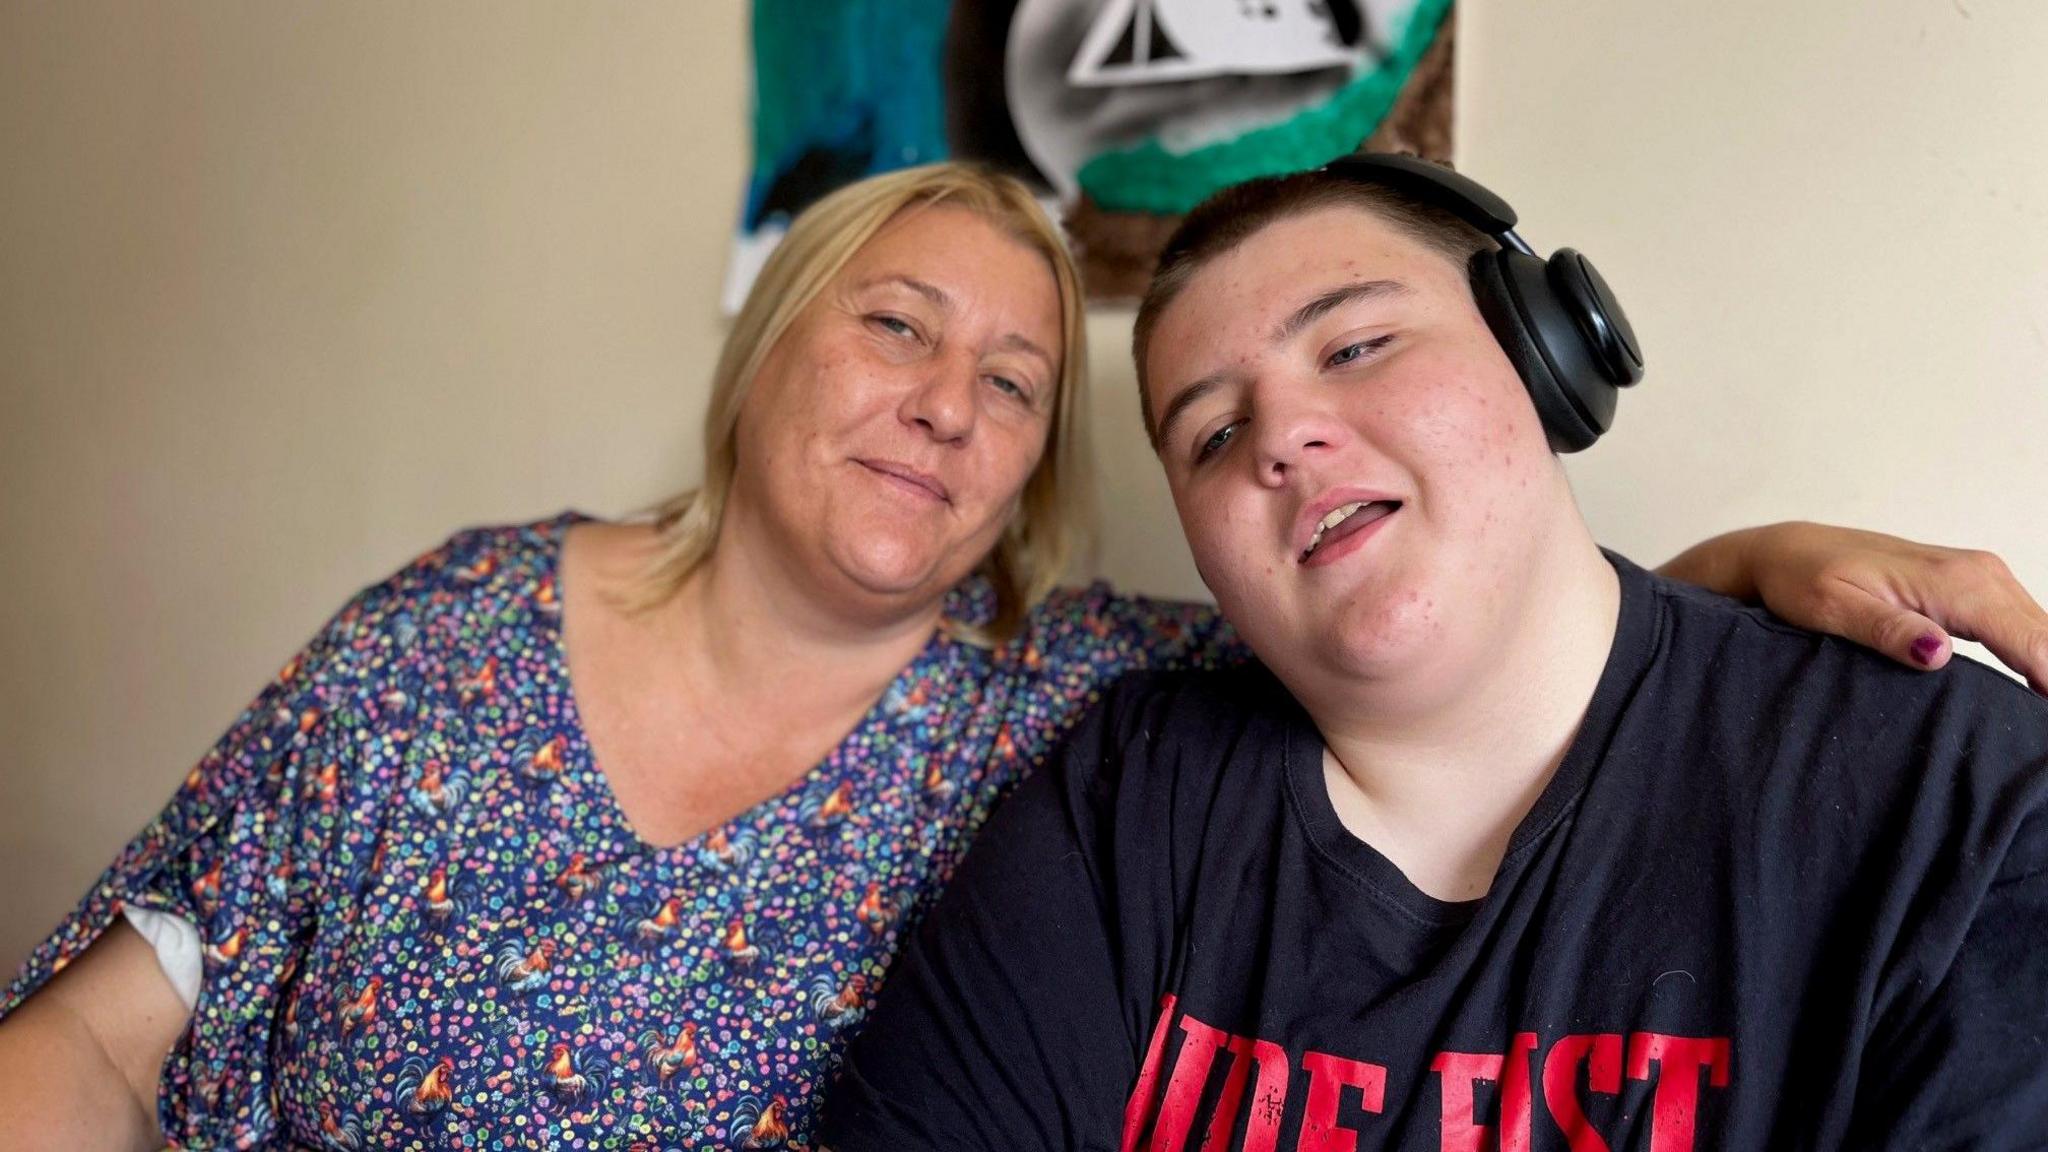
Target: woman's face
x=889, y=433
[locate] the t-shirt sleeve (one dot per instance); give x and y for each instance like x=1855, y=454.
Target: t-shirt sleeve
x=243, y=852
x=1966, y=1064
x=1003, y=1025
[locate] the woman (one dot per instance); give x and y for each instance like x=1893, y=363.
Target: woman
x=439, y=895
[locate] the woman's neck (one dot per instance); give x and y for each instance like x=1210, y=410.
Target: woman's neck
x=1439, y=790
x=722, y=695
x=751, y=633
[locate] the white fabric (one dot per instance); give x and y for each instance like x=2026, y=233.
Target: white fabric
x=177, y=947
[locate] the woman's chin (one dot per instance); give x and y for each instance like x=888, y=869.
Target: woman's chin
x=888, y=566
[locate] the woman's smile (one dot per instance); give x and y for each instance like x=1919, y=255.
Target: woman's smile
x=922, y=486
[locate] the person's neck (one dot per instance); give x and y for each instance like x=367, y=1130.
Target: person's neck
x=757, y=640
x=1436, y=767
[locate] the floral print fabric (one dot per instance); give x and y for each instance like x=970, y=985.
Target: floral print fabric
x=426, y=923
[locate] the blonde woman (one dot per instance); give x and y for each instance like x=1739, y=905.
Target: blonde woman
x=579, y=834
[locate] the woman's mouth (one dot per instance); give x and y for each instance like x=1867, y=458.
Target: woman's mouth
x=909, y=479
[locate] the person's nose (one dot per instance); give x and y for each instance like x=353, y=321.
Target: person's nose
x=944, y=402
x=1289, y=433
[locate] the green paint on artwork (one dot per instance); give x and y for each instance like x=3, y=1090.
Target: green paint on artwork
x=1148, y=178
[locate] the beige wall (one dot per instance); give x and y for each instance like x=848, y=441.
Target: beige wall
x=288, y=292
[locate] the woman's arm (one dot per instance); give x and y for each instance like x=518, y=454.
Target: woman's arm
x=79, y=1060
x=1900, y=598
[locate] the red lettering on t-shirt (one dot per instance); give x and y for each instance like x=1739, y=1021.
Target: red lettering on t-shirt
x=1517, y=1105
x=1601, y=1053
x=1328, y=1076
x=1138, y=1109
x=1269, y=1097
x=1675, y=1108
x=1162, y=1119
x=1461, y=1132
x=1184, y=1087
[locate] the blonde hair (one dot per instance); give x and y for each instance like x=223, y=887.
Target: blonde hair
x=1053, y=520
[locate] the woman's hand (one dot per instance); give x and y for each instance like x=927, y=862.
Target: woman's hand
x=1903, y=599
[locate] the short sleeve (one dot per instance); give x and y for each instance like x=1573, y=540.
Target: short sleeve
x=242, y=852
x=1003, y=1026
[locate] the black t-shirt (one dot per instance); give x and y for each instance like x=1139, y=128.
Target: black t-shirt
x=1779, y=894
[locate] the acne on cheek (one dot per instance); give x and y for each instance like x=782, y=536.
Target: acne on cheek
x=1391, y=625
x=1418, y=613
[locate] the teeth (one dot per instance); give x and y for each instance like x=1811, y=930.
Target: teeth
x=1337, y=516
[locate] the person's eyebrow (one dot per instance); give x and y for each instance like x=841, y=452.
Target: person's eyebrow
x=1177, y=408
x=1332, y=300
x=931, y=292
x=1018, y=342
x=1014, y=341
x=1315, y=309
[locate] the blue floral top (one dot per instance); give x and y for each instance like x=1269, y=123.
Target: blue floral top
x=426, y=923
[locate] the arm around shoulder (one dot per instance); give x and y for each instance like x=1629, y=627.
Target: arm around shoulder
x=1899, y=597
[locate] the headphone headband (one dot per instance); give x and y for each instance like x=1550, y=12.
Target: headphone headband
x=1557, y=319
x=1455, y=192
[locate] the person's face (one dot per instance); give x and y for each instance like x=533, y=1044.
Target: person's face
x=1357, y=467
x=886, y=439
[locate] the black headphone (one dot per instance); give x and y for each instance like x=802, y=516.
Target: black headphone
x=1557, y=320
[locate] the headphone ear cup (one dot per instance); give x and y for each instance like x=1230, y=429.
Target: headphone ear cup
x=1496, y=287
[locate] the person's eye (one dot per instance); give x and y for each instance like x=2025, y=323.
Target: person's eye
x=894, y=325
x=1010, y=388
x=1216, y=441
x=1352, y=353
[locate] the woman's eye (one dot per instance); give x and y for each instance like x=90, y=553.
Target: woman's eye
x=895, y=325
x=1215, y=442
x=1010, y=387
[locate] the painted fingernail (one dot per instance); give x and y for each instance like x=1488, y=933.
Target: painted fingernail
x=1926, y=648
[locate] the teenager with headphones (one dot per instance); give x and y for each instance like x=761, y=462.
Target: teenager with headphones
x=1505, y=841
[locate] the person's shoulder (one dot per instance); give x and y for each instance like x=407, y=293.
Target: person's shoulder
x=492, y=555
x=1752, y=630
x=1158, y=732
x=1099, y=628
x=1159, y=699
x=478, y=579
x=1896, y=779
x=479, y=569
x=1742, y=660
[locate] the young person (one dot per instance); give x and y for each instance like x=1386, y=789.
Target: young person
x=1505, y=842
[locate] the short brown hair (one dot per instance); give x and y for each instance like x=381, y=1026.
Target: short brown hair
x=1237, y=213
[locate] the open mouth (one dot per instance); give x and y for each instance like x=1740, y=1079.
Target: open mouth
x=1346, y=520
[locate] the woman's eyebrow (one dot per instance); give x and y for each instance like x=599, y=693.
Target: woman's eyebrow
x=1018, y=342
x=931, y=292
x=1014, y=341
x=1332, y=300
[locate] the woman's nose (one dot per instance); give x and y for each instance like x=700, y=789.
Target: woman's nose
x=943, y=402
